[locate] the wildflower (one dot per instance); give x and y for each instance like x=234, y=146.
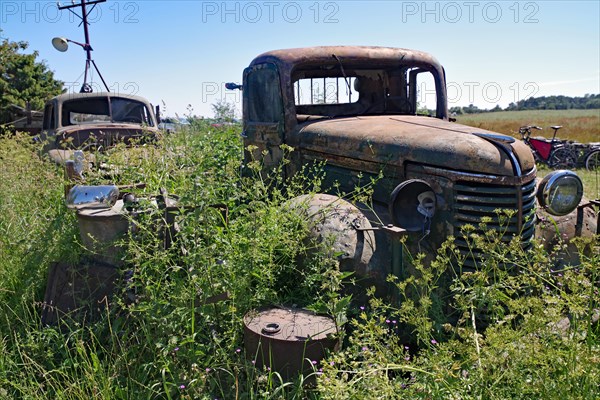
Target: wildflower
x=332, y=363
x=362, y=308
x=433, y=341
x=181, y=386
x=176, y=349
x=394, y=322
x=365, y=348
x=207, y=370
x=313, y=362
x=387, y=321
x=238, y=350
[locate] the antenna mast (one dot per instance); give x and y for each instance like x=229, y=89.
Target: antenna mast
x=85, y=88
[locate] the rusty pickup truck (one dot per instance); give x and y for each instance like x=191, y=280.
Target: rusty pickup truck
x=357, y=110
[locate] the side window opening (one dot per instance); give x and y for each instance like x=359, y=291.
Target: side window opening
x=422, y=91
x=262, y=94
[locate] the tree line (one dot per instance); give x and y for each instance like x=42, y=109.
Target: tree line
x=23, y=79
x=586, y=102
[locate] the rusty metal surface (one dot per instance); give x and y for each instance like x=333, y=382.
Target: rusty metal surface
x=100, y=229
x=77, y=292
x=76, y=96
x=288, y=340
x=397, y=140
x=551, y=230
x=105, y=131
x=341, y=228
x=102, y=134
x=287, y=59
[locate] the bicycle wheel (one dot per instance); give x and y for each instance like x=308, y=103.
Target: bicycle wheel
x=563, y=157
x=592, y=160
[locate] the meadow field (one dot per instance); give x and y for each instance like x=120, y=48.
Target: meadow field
x=489, y=334
x=580, y=125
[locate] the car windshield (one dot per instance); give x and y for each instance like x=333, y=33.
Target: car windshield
x=103, y=110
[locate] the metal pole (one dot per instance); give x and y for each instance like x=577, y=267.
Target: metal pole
x=86, y=46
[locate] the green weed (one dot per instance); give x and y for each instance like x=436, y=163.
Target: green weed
x=514, y=328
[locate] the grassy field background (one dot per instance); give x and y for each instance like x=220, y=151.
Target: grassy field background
x=579, y=125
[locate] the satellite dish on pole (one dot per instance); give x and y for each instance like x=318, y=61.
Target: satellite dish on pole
x=60, y=44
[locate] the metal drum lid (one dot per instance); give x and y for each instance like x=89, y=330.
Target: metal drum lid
x=290, y=324
x=115, y=211
x=289, y=340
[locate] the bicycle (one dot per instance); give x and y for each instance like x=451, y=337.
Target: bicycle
x=592, y=159
x=555, y=153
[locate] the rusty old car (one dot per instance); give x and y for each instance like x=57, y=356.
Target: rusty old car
x=95, y=120
x=357, y=111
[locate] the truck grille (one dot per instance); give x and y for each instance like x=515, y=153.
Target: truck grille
x=473, y=200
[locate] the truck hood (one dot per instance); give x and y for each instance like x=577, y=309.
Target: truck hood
x=396, y=140
x=123, y=129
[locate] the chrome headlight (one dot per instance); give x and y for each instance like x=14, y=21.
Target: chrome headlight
x=560, y=192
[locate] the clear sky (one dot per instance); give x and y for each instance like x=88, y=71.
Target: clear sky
x=180, y=53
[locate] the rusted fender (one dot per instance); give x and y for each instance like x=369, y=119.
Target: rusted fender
x=340, y=227
x=550, y=230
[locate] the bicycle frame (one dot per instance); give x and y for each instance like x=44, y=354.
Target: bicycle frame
x=541, y=147
x=554, y=152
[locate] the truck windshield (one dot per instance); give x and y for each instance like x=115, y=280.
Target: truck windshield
x=105, y=110
x=324, y=91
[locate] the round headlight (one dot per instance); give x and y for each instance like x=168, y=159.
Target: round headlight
x=560, y=192
x=412, y=205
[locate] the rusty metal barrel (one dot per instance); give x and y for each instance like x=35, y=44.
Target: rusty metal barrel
x=288, y=340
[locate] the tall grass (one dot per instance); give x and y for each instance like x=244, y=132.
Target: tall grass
x=174, y=328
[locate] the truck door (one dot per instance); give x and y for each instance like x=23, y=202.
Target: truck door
x=263, y=117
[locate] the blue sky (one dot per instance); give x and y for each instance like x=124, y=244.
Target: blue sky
x=180, y=53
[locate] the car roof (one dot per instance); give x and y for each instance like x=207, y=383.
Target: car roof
x=347, y=54
x=76, y=96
